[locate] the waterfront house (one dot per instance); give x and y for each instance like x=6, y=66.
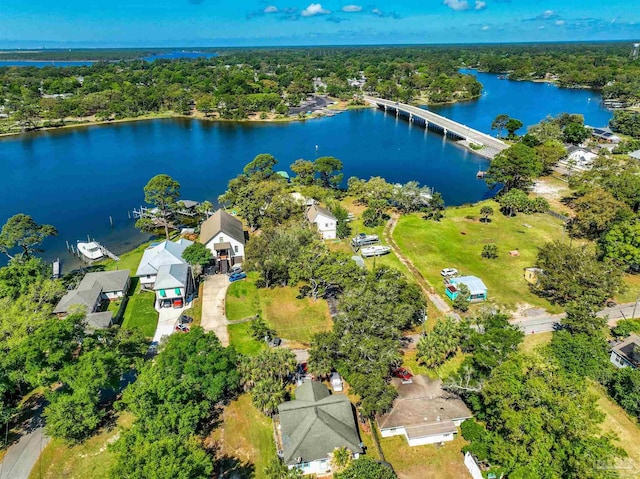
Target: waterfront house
x=604, y=134
x=88, y=296
x=157, y=255
x=626, y=354
x=476, y=287
x=114, y=284
x=311, y=427
x=224, y=235
x=423, y=412
x=324, y=220
x=579, y=158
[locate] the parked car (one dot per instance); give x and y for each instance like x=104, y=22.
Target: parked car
x=236, y=268
x=336, y=382
x=610, y=303
x=153, y=347
x=403, y=374
x=184, y=319
x=449, y=272
x=183, y=328
x=237, y=276
x=275, y=342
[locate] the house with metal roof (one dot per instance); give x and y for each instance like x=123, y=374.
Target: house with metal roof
x=476, y=287
x=309, y=428
x=161, y=254
x=324, y=220
x=163, y=270
x=423, y=412
x=224, y=235
x=627, y=353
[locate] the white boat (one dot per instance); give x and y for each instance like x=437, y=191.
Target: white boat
x=91, y=250
x=376, y=250
x=364, y=239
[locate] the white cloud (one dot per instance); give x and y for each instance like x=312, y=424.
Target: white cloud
x=352, y=8
x=457, y=5
x=485, y=28
x=377, y=11
x=559, y=22
x=480, y=5
x=548, y=14
x=271, y=9
x=314, y=9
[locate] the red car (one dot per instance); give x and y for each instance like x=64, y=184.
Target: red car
x=403, y=374
x=182, y=328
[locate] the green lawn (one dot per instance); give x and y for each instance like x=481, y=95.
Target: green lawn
x=129, y=260
x=425, y=462
x=245, y=441
x=457, y=241
x=91, y=459
x=292, y=318
x=242, y=299
x=626, y=428
x=240, y=337
x=447, y=369
x=141, y=313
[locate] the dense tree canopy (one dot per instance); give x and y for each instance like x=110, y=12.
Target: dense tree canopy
x=515, y=167
x=21, y=231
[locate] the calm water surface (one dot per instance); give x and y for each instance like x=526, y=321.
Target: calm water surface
x=159, y=56
x=75, y=179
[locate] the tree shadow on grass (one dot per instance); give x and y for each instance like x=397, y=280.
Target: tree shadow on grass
x=229, y=467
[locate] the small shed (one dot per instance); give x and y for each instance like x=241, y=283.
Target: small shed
x=476, y=287
x=531, y=275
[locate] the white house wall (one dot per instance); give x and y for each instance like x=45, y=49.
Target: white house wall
x=326, y=226
x=223, y=238
x=418, y=441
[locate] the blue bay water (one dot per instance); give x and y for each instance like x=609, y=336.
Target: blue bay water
x=75, y=179
x=82, y=63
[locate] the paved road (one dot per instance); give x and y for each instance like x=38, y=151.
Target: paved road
x=213, y=307
x=318, y=103
x=22, y=455
x=167, y=320
x=462, y=130
x=543, y=322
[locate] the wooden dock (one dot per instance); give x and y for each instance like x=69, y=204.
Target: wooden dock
x=55, y=269
x=108, y=253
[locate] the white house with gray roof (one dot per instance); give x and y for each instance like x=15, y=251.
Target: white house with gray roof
x=224, y=235
x=311, y=427
x=324, y=220
x=626, y=354
x=163, y=270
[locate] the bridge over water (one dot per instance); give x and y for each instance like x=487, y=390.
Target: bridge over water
x=463, y=134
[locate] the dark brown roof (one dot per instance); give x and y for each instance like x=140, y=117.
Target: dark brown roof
x=221, y=221
x=423, y=408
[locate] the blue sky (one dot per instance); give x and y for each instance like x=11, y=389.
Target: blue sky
x=131, y=23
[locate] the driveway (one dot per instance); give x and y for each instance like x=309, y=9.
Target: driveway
x=22, y=455
x=167, y=320
x=213, y=309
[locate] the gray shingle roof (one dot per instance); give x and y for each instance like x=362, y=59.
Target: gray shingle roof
x=315, y=210
x=423, y=408
x=110, y=281
x=172, y=276
x=316, y=423
x=85, y=297
x=99, y=320
x=165, y=253
x=221, y=221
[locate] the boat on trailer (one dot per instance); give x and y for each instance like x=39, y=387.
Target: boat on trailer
x=376, y=250
x=90, y=250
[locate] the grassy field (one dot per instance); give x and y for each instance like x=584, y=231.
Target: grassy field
x=196, y=308
x=244, y=441
x=141, y=313
x=243, y=300
x=292, y=318
x=425, y=462
x=627, y=429
x=442, y=372
x=533, y=341
x=129, y=260
x=240, y=337
x=457, y=241
x=90, y=459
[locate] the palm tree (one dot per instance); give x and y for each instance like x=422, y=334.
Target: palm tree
x=340, y=458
